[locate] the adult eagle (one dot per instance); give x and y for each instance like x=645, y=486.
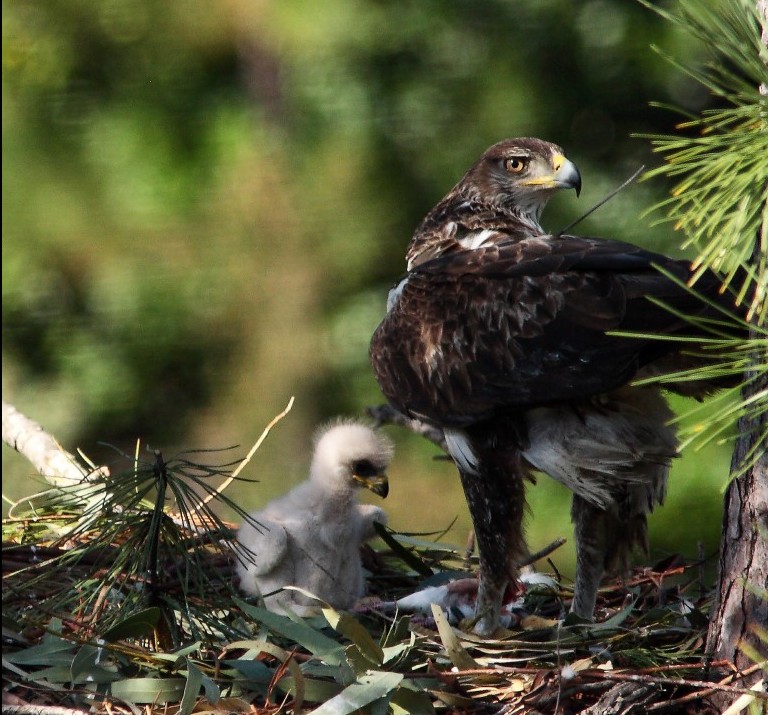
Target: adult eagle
x=502, y=335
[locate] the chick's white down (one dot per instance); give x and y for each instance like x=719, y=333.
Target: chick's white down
x=311, y=537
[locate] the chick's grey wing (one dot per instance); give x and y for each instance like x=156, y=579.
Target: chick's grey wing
x=266, y=543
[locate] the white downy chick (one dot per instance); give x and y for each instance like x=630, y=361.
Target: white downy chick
x=311, y=536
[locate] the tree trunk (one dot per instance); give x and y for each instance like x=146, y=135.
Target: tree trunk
x=741, y=609
x=738, y=625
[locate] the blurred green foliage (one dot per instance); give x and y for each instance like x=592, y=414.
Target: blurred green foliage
x=205, y=203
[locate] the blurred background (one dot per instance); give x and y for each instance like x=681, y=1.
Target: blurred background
x=205, y=204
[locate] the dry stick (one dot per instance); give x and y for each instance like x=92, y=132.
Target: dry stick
x=601, y=202
x=46, y=455
x=651, y=680
x=541, y=553
x=713, y=688
x=29, y=709
x=245, y=461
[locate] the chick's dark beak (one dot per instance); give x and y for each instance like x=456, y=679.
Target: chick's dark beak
x=377, y=483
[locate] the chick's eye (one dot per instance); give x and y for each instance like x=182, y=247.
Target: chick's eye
x=514, y=165
x=364, y=468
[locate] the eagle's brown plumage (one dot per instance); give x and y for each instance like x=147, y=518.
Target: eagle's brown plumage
x=499, y=334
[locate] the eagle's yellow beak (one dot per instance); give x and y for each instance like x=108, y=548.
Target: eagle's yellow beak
x=377, y=483
x=564, y=175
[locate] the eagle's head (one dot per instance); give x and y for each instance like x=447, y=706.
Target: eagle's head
x=349, y=455
x=520, y=175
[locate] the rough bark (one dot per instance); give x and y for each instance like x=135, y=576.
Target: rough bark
x=741, y=608
x=739, y=619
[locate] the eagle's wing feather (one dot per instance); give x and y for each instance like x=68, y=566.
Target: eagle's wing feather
x=526, y=324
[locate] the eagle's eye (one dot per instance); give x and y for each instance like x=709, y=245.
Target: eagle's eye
x=514, y=165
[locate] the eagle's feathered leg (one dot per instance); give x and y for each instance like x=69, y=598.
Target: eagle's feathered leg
x=605, y=540
x=594, y=528
x=614, y=454
x=493, y=481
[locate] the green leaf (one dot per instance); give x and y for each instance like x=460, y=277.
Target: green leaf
x=149, y=690
x=50, y=651
x=412, y=699
x=398, y=549
x=63, y=674
x=84, y=659
x=399, y=630
x=352, y=629
x=357, y=661
x=255, y=672
x=456, y=652
x=191, y=689
x=299, y=632
x=57, y=675
x=211, y=689
x=138, y=625
x=315, y=691
x=177, y=658
x=371, y=687
x=617, y=618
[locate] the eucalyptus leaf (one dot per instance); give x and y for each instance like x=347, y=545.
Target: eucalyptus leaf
x=138, y=625
x=314, y=641
x=412, y=699
x=315, y=691
x=61, y=675
x=352, y=629
x=211, y=689
x=149, y=690
x=455, y=651
x=397, y=632
x=50, y=651
x=255, y=672
x=371, y=687
x=357, y=662
x=403, y=553
x=85, y=658
x=191, y=689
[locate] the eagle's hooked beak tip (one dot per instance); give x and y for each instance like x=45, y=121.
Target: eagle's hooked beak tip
x=567, y=175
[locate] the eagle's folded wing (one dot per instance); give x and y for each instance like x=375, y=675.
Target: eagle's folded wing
x=528, y=323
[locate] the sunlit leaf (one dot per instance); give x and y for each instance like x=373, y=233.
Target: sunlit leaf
x=367, y=689
x=352, y=629
x=299, y=632
x=149, y=690
x=455, y=651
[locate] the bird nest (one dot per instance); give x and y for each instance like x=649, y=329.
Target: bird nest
x=134, y=610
